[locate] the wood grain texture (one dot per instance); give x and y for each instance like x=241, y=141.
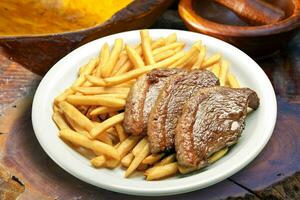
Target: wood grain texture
x=274, y=174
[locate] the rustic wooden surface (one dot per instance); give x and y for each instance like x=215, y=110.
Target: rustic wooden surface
x=27, y=171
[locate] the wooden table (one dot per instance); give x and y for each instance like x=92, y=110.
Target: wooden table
x=29, y=173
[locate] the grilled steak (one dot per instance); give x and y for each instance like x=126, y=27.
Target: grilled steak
x=211, y=120
x=142, y=97
x=168, y=107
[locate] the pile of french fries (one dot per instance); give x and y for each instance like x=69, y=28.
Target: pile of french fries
x=89, y=114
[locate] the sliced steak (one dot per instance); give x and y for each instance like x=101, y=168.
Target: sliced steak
x=142, y=97
x=168, y=107
x=211, y=120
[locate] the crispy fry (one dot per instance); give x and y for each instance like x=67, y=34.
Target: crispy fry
x=76, y=127
x=194, y=50
x=111, y=163
x=233, y=82
x=211, y=61
x=126, y=160
x=134, y=57
x=121, y=133
x=108, y=123
x=164, y=55
x=223, y=72
x=137, y=160
x=216, y=69
x=162, y=171
x=169, y=159
x=153, y=158
x=98, y=161
x=95, y=100
x=63, y=96
x=168, y=47
x=146, y=46
x=103, y=59
x=139, y=146
x=127, y=145
x=186, y=170
x=104, y=110
x=171, y=38
x=120, y=63
x=108, y=67
x=101, y=90
x=133, y=73
x=142, y=167
x=105, y=138
x=200, y=58
x=59, y=121
x=76, y=116
x=97, y=146
x=216, y=156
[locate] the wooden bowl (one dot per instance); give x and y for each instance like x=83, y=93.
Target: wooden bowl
x=213, y=19
x=38, y=53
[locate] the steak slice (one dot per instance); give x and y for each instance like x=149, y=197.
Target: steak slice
x=168, y=107
x=142, y=97
x=212, y=119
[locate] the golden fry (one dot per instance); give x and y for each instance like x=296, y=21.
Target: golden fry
x=121, y=133
x=162, y=171
x=233, y=82
x=96, y=100
x=112, y=163
x=98, y=161
x=137, y=160
x=200, y=58
x=168, y=47
x=97, y=146
x=216, y=69
x=186, y=170
x=169, y=159
x=164, y=55
x=153, y=158
x=134, y=57
x=126, y=160
x=76, y=116
x=108, y=67
x=103, y=59
x=63, y=96
x=101, y=90
x=146, y=46
x=103, y=110
x=127, y=145
x=216, y=156
x=108, y=123
x=223, y=72
x=59, y=121
x=123, y=60
x=211, y=61
x=139, y=146
x=171, y=38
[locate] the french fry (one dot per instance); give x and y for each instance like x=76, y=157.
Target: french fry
x=142, y=167
x=121, y=133
x=137, y=160
x=216, y=69
x=223, y=72
x=186, y=170
x=105, y=138
x=164, y=55
x=108, y=67
x=233, y=82
x=103, y=110
x=127, y=145
x=112, y=163
x=123, y=60
x=190, y=62
x=63, y=96
x=216, y=156
x=162, y=171
x=111, y=81
x=169, y=159
x=97, y=146
x=126, y=160
x=134, y=57
x=59, y=121
x=101, y=90
x=171, y=38
x=168, y=47
x=76, y=116
x=76, y=127
x=98, y=161
x=194, y=50
x=87, y=70
x=96, y=100
x=103, y=59
x=153, y=158
x=139, y=146
x=200, y=58
x=108, y=123
x=146, y=46
x=211, y=61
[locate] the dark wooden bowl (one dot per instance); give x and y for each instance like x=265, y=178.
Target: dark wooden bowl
x=38, y=53
x=213, y=19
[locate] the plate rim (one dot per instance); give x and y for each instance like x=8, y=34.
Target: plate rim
x=150, y=191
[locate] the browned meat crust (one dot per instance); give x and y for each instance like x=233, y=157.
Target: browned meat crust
x=211, y=120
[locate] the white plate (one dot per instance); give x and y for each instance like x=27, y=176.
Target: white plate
x=259, y=125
